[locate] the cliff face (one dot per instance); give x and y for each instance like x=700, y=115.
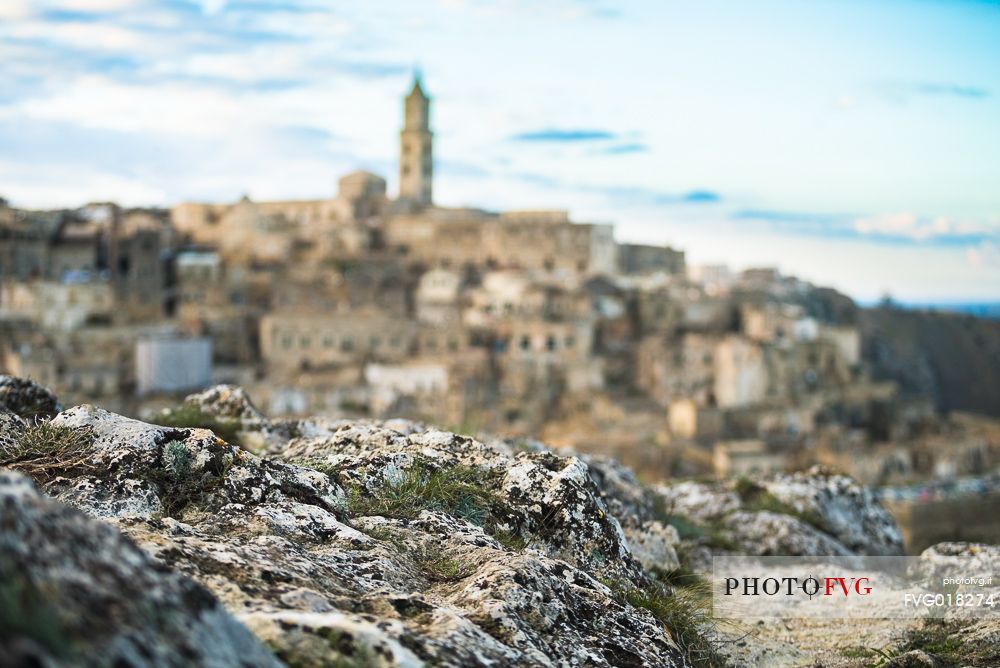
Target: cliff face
x=356, y=544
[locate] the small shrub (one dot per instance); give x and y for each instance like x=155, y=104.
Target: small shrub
x=465, y=428
x=719, y=537
x=176, y=459
x=44, y=450
x=180, y=486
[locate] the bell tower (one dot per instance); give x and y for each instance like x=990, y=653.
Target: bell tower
x=416, y=161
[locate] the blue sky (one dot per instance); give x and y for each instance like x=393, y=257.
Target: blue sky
x=856, y=144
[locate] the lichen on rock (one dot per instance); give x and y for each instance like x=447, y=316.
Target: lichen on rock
x=27, y=398
x=501, y=561
x=75, y=591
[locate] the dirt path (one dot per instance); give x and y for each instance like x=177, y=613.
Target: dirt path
x=830, y=643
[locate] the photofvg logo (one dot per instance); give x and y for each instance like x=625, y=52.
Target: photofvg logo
x=854, y=587
x=792, y=586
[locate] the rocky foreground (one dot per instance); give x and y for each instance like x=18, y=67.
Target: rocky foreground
x=258, y=542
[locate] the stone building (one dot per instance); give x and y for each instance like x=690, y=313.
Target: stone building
x=24, y=242
x=645, y=259
x=540, y=357
x=740, y=373
x=659, y=311
x=518, y=240
x=301, y=341
x=437, y=296
x=58, y=305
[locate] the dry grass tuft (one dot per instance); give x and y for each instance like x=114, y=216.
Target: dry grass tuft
x=44, y=450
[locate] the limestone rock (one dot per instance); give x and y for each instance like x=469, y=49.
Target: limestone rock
x=142, y=470
x=810, y=513
x=273, y=542
x=700, y=502
x=10, y=426
x=27, y=398
x=842, y=508
x=227, y=401
x=76, y=591
x=771, y=534
x=360, y=543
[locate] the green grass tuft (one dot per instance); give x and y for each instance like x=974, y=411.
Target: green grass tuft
x=757, y=498
x=682, y=576
x=460, y=491
x=684, y=612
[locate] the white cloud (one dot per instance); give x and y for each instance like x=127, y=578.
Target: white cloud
x=22, y=9
x=212, y=6
x=95, y=5
x=78, y=34
x=986, y=254
x=15, y=9
x=922, y=228
x=56, y=185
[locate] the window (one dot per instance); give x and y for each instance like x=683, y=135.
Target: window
x=525, y=343
x=304, y=342
x=347, y=344
x=286, y=342
x=550, y=343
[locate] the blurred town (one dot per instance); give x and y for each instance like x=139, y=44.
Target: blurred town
x=517, y=323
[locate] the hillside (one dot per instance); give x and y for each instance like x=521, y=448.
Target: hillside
x=952, y=358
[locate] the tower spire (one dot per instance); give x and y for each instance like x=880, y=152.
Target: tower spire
x=416, y=160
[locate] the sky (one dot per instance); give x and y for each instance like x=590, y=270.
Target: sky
x=852, y=143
